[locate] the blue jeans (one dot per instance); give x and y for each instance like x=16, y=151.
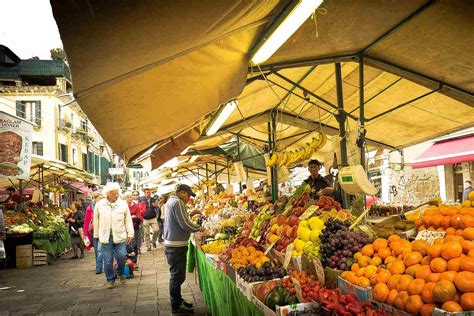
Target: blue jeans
x=111, y=251
x=176, y=257
x=99, y=257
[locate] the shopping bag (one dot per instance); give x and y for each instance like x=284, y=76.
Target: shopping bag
x=3, y=254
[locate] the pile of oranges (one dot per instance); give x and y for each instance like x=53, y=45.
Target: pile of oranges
x=417, y=277
x=451, y=219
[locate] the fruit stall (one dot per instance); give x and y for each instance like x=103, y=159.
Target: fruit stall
x=42, y=227
x=301, y=256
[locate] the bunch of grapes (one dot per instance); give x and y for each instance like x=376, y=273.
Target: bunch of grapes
x=338, y=245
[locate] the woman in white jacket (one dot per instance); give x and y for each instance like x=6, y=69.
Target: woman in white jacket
x=114, y=227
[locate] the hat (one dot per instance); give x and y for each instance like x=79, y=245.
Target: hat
x=185, y=188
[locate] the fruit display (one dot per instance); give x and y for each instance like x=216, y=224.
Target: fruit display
x=307, y=240
x=290, y=158
x=243, y=252
x=279, y=296
x=267, y=271
x=454, y=220
x=338, y=245
x=13, y=218
x=215, y=247
x=392, y=226
x=282, y=231
x=260, y=224
x=417, y=277
x=327, y=203
x=381, y=210
x=20, y=229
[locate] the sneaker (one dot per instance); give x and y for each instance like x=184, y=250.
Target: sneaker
x=122, y=280
x=98, y=272
x=182, y=309
x=110, y=286
x=148, y=248
x=187, y=304
x=132, y=254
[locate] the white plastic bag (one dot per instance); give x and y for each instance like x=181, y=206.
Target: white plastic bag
x=3, y=254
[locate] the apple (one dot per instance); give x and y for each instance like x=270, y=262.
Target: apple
x=294, y=231
x=293, y=220
x=281, y=219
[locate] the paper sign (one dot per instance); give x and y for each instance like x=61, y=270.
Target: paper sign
x=299, y=292
x=289, y=252
x=258, y=238
x=319, y=271
x=309, y=211
x=16, y=146
x=359, y=219
x=270, y=247
x=429, y=235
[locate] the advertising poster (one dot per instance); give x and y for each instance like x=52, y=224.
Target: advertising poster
x=15, y=147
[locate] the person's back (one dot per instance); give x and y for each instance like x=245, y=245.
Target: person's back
x=177, y=225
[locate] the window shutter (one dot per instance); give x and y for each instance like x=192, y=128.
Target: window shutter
x=39, y=148
x=65, y=154
x=19, y=109
x=38, y=113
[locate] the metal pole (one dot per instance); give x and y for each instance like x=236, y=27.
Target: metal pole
x=361, y=111
x=238, y=157
x=341, y=117
x=271, y=146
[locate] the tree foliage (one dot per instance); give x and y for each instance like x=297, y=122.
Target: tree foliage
x=57, y=54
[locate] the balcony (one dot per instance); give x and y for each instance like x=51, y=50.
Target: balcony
x=64, y=126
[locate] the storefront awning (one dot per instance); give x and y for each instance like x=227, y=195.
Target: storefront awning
x=447, y=153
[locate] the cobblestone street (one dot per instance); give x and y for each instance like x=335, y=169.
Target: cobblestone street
x=71, y=287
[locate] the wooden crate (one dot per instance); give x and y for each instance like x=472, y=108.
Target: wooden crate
x=24, y=251
x=24, y=262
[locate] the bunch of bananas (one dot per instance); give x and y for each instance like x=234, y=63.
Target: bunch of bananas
x=291, y=158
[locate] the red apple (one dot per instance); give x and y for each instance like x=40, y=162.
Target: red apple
x=281, y=219
x=294, y=229
x=293, y=220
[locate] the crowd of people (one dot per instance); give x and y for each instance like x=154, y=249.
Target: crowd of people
x=116, y=224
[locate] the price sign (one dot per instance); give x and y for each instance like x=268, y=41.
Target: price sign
x=270, y=248
x=319, y=271
x=309, y=211
x=289, y=252
x=299, y=292
x=429, y=235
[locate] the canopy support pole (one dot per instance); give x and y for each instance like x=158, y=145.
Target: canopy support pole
x=362, y=131
x=341, y=117
x=272, y=150
x=228, y=173
x=215, y=170
x=238, y=157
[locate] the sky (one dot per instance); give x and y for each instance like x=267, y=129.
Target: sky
x=28, y=28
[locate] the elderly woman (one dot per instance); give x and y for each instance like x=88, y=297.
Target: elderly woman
x=137, y=219
x=113, y=226
x=89, y=231
x=75, y=219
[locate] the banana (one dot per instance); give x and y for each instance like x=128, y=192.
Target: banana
x=308, y=152
x=273, y=160
x=284, y=159
x=291, y=158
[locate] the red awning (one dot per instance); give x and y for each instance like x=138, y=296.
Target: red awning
x=447, y=153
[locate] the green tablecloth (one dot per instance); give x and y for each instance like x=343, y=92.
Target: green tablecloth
x=221, y=295
x=54, y=247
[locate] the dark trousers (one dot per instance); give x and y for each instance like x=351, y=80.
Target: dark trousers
x=176, y=257
x=160, y=233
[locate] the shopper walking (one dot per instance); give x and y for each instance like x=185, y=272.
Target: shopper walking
x=75, y=219
x=114, y=227
x=177, y=230
x=149, y=220
x=89, y=231
x=136, y=213
x=467, y=189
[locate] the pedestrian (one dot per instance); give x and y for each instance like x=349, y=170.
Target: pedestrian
x=89, y=231
x=149, y=220
x=11, y=202
x=75, y=219
x=467, y=189
x=136, y=200
x=177, y=230
x=316, y=181
x=163, y=201
x=114, y=227
x=136, y=213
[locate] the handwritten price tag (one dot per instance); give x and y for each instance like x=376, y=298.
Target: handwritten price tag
x=319, y=271
x=429, y=235
x=289, y=251
x=309, y=211
x=270, y=248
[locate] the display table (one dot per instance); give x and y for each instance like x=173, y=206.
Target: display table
x=221, y=294
x=54, y=247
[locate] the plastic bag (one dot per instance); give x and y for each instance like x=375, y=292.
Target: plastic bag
x=3, y=254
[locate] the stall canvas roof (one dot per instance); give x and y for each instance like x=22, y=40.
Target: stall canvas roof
x=156, y=69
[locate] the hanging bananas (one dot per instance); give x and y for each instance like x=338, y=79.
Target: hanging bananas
x=301, y=154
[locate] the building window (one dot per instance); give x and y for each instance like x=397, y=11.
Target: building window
x=74, y=156
x=29, y=110
x=72, y=123
x=84, y=125
x=97, y=164
x=84, y=162
x=63, y=152
x=38, y=148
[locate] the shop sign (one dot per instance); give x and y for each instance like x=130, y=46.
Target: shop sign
x=15, y=146
x=429, y=235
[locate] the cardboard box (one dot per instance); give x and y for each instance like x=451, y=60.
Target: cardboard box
x=231, y=272
x=389, y=309
x=284, y=310
x=215, y=261
x=363, y=294
x=440, y=312
x=245, y=287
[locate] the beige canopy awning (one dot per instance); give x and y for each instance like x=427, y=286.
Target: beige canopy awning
x=144, y=71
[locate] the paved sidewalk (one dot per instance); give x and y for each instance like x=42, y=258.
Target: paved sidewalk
x=71, y=287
